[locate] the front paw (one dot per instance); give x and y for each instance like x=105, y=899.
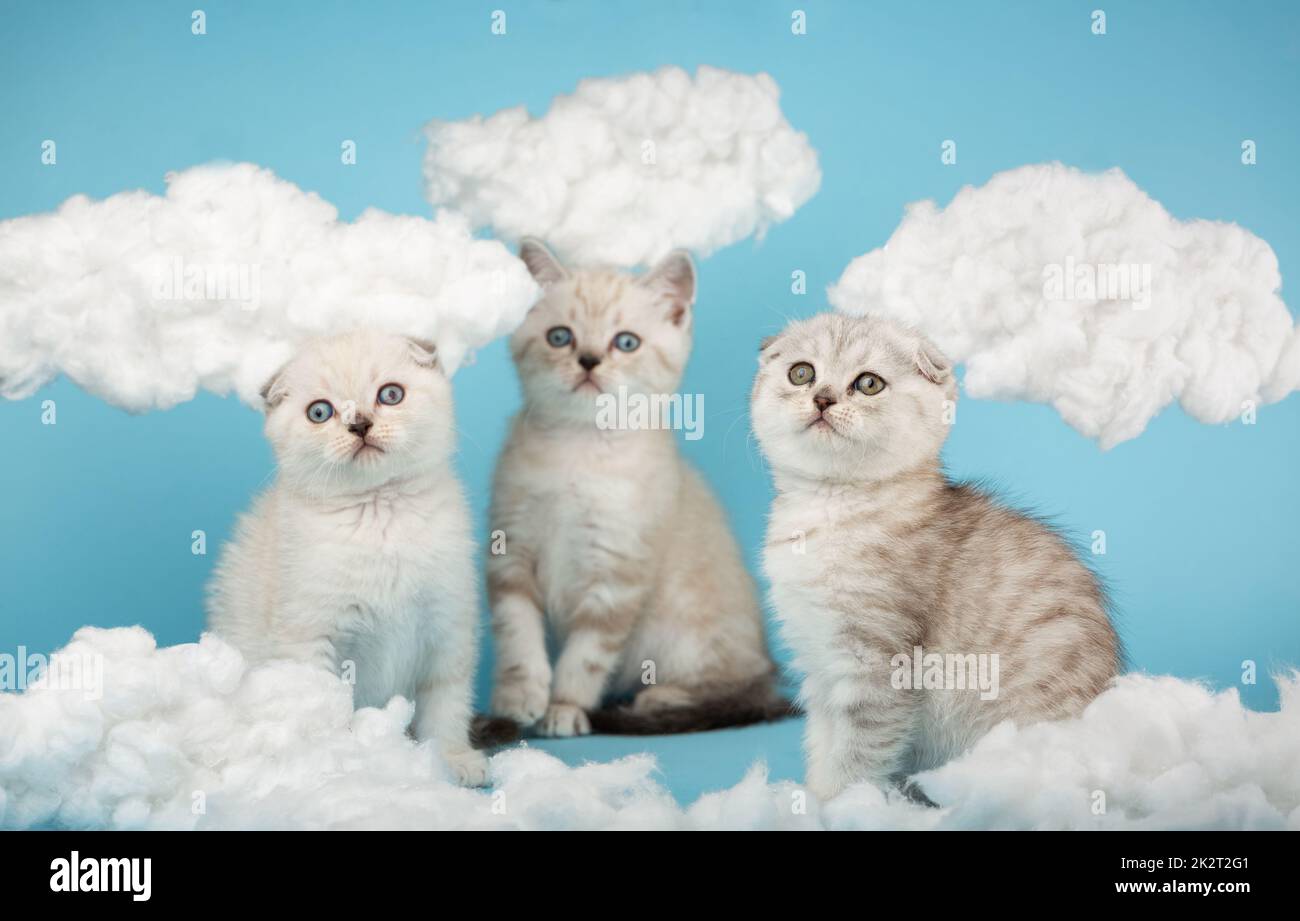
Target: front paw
x=565, y=720
x=468, y=766
x=521, y=699
x=823, y=782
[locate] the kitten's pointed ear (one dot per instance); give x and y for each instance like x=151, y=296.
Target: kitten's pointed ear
x=274, y=390
x=674, y=275
x=541, y=262
x=424, y=353
x=933, y=365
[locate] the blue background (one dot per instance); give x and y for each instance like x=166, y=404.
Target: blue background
x=98, y=510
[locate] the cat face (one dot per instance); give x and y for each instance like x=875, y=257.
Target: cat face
x=596, y=330
x=355, y=411
x=851, y=398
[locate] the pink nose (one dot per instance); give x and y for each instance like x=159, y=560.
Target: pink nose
x=822, y=402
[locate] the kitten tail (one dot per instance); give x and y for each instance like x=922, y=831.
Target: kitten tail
x=493, y=731
x=755, y=702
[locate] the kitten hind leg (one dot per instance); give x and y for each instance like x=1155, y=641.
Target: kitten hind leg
x=658, y=697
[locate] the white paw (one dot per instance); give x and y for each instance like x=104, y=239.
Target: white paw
x=469, y=766
x=565, y=720
x=523, y=700
x=823, y=783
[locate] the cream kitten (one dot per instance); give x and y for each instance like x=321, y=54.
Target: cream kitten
x=610, y=537
x=874, y=556
x=359, y=558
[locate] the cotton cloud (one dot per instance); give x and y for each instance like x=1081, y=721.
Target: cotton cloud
x=144, y=299
x=628, y=168
x=190, y=737
x=1080, y=291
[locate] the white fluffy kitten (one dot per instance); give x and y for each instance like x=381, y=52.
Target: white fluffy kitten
x=873, y=553
x=359, y=558
x=614, y=545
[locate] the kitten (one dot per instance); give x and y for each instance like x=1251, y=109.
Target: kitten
x=611, y=538
x=874, y=558
x=359, y=558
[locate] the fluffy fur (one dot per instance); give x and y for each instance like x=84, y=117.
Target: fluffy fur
x=359, y=557
x=872, y=553
x=609, y=537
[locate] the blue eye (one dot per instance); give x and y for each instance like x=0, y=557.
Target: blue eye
x=627, y=342
x=391, y=394
x=320, y=411
x=559, y=336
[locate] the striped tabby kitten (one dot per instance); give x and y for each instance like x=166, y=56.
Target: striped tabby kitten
x=611, y=540
x=890, y=582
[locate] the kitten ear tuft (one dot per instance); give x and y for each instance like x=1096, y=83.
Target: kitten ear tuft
x=932, y=364
x=674, y=275
x=541, y=262
x=424, y=353
x=274, y=390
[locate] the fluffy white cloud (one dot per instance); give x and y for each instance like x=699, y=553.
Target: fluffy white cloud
x=629, y=167
x=1080, y=291
x=143, y=299
x=279, y=746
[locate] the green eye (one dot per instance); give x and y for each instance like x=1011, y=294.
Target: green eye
x=320, y=411
x=869, y=383
x=802, y=373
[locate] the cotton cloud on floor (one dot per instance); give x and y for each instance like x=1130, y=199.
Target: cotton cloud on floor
x=627, y=168
x=189, y=737
x=144, y=299
x=1080, y=291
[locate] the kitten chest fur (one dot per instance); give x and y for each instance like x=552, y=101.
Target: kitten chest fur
x=583, y=509
x=370, y=572
x=818, y=586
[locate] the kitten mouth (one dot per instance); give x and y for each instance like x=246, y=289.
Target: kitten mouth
x=365, y=446
x=821, y=424
x=585, y=382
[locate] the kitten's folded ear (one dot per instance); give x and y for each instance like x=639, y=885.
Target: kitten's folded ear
x=674, y=275
x=541, y=262
x=933, y=365
x=274, y=390
x=424, y=353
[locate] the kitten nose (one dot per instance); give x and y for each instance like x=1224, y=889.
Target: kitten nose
x=822, y=401
x=360, y=426
x=588, y=360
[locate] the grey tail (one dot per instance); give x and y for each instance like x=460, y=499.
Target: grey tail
x=492, y=731
x=757, y=702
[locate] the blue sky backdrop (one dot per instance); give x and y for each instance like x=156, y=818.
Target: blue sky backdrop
x=1200, y=520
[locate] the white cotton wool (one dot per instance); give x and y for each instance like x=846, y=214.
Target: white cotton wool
x=627, y=168
x=190, y=737
x=143, y=299
x=1080, y=291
